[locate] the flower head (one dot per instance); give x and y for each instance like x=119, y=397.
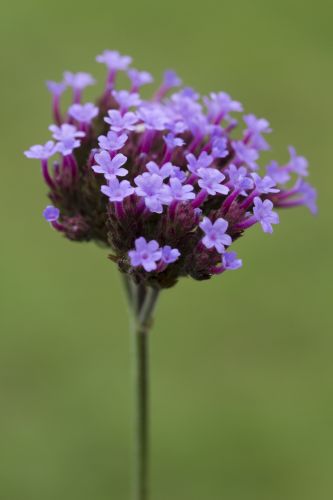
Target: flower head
x=182, y=183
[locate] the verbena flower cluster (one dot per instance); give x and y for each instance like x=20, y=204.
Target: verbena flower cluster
x=169, y=183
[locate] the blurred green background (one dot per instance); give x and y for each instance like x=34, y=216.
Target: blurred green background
x=241, y=366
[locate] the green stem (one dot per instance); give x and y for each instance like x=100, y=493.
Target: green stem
x=142, y=301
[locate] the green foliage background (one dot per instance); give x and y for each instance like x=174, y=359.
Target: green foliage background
x=242, y=365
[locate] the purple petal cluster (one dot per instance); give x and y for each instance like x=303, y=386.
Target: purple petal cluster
x=166, y=183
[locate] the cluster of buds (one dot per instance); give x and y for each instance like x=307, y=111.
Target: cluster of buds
x=168, y=184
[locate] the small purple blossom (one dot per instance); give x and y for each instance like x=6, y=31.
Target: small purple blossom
x=113, y=60
x=220, y=104
x=126, y=99
x=41, y=152
x=211, y=179
x=78, y=81
x=215, y=234
x=153, y=117
x=120, y=122
x=179, y=191
x=245, y=154
x=51, y=213
x=83, y=113
x=139, y=78
x=257, y=125
x=117, y=190
x=230, y=261
x=264, y=185
x=171, y=79
x=169, y=255
x=164, y=171
x=263, y=213
x=297, y=164
x=239, y=179
x=112, y=141
x=203, y=161
x=172, y=141
x=110, y=167
x=146, y=254
x=67, y=145
x=56, y=88
x=309, y=198
x=219, y=147
x=154, y=192
x=279, y=174
x=65, y=132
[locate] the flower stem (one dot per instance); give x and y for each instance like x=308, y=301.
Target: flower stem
x=142, y=301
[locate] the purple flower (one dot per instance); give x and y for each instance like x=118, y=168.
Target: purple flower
x=264, y=185
x=297, y=164
x=215, y=234
x=66, y=146
x=239, y=179
x=203, y=161
x=154, y=192
x=219, y=147
x=230, y=261
x=78, y=81
x=113, y=60
x=117, y=190
x=172, y=141
x=65, y=132
x=112, y=141
x=171, y=79
x=164, y=171
x=83, y=113
x=169, y=255
x=179, y=191
x=309, y=196
x=121, y=122
x=41, y=152
x=153, y=117
x=220, y=105
x=51, y=213
x=110, y=168
x=139, y=78
x=279, y=174
x=126, y=99
x=178, y=173
x=56, y=88
x=257, y=125
x=210, y=180
x=263, y=213
x=245, y=154
x=146, y=254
